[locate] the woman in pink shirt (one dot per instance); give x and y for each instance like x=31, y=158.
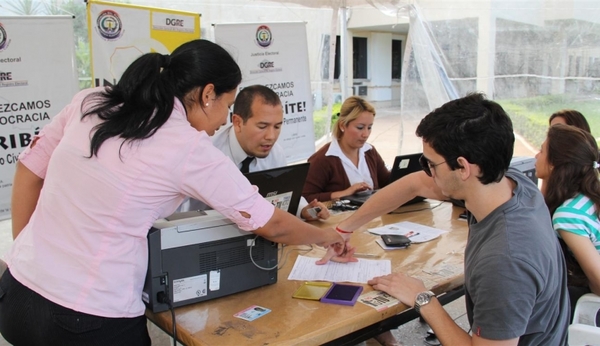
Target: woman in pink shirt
x=92, y=183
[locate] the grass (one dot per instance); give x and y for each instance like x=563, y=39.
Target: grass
x=320, y=117
x=530, y=115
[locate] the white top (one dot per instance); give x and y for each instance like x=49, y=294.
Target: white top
x=355, y=174
x=226, y=141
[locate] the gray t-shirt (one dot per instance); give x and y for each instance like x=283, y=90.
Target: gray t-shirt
x=515, y=280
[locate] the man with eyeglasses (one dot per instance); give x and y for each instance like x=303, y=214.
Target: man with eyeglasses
x=515, y=280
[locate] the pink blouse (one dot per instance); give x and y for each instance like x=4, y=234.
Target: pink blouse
x=85, y=246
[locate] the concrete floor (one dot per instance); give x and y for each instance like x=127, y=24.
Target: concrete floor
x=391, y=137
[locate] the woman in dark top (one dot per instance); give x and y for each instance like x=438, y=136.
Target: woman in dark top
x=348, y=164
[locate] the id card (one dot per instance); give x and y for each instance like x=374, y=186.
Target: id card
x=252, y=313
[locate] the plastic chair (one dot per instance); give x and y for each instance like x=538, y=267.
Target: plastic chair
x=585, y=329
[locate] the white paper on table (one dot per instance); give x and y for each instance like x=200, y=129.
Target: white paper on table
x=415, y=232
x=362, y=271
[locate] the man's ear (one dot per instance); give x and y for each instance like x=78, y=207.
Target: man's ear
x=466, y=168
x=237, y=122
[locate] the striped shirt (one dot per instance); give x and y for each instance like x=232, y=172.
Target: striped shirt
x=578, y=215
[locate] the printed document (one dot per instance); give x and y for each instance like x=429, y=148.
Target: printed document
x=359, y=272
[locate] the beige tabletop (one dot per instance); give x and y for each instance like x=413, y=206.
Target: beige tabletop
x=439, y=263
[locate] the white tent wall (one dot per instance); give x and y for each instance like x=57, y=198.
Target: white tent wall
x=530, y=55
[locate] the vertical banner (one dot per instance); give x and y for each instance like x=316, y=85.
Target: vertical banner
x=121, y=33
x=276, y=55
x=38, y=77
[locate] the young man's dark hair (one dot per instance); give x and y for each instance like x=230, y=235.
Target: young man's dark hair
x=243, y=101
x=481, y=132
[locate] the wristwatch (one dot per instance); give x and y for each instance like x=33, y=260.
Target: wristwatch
x=422, y=298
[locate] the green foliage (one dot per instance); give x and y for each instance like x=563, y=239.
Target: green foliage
x=320, y=118
x=530, y=115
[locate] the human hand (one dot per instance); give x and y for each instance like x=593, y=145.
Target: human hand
x=345, y=255
x=322, y=211
x=358, y=187
x=401, y=286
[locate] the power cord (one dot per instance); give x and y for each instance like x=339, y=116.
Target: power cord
x=277, y=266
x=163, y=298
x=420, y=209
x=281, y=256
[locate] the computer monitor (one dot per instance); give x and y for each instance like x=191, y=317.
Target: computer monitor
x=405, y=165
x=281, y=186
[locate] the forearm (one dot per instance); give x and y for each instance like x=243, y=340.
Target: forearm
x=285, y=228
x=445, y=329
x=391, y=197
x=25, y=193
x=339, y=194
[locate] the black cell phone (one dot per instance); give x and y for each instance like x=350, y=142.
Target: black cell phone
x=395, y=240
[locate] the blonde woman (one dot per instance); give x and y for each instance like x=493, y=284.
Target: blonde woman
x=348, y=164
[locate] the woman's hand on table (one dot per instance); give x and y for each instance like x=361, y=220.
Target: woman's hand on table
x=358, y=187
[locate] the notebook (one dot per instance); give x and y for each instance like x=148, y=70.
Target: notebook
x=403, y=165
x=281, y=186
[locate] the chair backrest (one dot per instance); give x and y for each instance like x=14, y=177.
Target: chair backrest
x=585, y=329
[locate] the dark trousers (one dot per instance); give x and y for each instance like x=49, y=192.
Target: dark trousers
x=26, y=318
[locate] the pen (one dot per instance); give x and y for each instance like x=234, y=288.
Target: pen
x=370, y=255
x=411, y=234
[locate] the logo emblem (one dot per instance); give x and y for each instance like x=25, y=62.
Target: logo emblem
x=109, y=25
x=3, y=38
x=263, y=36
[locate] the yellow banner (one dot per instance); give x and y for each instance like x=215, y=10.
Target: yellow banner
x=120, y=33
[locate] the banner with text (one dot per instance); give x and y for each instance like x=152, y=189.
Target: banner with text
x=276, y=55
x=38, y=77
x=121, y=33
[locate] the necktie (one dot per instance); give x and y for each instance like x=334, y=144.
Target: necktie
x=246, y=164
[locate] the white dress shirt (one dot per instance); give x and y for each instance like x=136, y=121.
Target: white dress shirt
x=226, y=141
x=355, y=174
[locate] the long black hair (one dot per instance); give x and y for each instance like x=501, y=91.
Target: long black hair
x=143, y=99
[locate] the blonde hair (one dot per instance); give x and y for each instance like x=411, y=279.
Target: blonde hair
x=352, y=107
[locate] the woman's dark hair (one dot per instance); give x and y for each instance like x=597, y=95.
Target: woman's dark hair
x=573, y=118
x=143, y=99
x=572, y=153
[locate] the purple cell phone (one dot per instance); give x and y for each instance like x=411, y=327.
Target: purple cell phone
x=342, y=294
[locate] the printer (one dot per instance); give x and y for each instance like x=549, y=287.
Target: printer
x=197, y=258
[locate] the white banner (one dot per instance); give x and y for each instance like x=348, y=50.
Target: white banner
x=276, y=55
x=120, y=33
x=38, y=77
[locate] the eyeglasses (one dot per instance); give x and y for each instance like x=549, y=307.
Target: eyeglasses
x=427, y=165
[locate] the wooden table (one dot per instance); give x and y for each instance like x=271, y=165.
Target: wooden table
x=439, y=263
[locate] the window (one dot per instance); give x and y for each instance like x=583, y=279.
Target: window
x=396, y=59
x=359, y=57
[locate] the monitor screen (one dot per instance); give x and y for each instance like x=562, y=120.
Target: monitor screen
x=281, y=186
x=404, y=165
